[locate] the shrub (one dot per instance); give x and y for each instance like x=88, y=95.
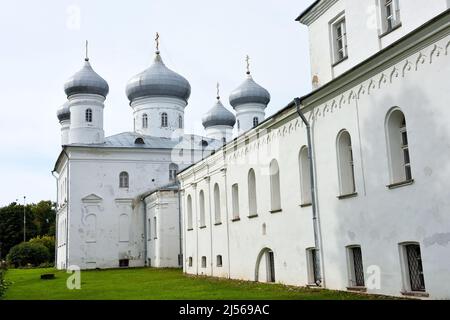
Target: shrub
x=49, y=243
x=3, y=283
x=27, y=253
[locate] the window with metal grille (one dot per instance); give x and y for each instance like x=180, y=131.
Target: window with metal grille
x=164, y=119
x=123, y=180
x=144, y=121
x=88, y=115
x=255, y=121
x=356, y=266
x=415, y=269
x=219, y=260
x=339, y=40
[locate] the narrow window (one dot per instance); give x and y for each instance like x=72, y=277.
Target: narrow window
x=238, y=125
x=255, y=121
x=164, y=119
x=313, y=267
x=123, y=180
x=235, y=200
x=356, y=269
x=252, y=193
x=189, y=212
x=412, y=266
x=180, y=122
x=201, y=198
x=275, y=195
x=339, y=40
x=224, y=140
x=305, y=176
x=173, y=169
x=155, y=228
x=217, y=204
x=398, y=149
x=203, y=262
x=390, y=12
x=149, y=229
x=345, y=164
x=88, y=115
x=144, y=121
x=219, y=260
x=190, y=262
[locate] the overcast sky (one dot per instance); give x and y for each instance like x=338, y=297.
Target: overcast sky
x=42, y=44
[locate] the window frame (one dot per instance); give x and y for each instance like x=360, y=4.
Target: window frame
x=336, y=39
x=124, y=180
x=255, y=122
x=164, y=120
x=389, y=21
x=88, y=115
x=345, y=162
x=144, y=121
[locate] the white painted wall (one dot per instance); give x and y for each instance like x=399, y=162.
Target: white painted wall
x=219, y=132
x=245, y=114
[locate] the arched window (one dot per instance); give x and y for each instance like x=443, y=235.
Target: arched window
x=398, y=150
x=217, y=204
x=180, y=122
x=88, y=115
x=164, y=119
x=123, y=180
x=173, y=169
x=219, y=260
x=235, y=200
x=144, y=121
x=305, y=177
x=252, y=193
x=345, y=163
x=201, y=199
x=275, y=196
x=224, y=140
x=255, y=121
x=189, y=212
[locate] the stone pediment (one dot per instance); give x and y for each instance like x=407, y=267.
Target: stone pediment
x=92, y=198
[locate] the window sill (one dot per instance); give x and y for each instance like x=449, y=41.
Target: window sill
x=349, y=195
x=303, y=205
x=217, y=223
x=202, y=227
x=400, y=184
x=340, y=61
x=275, y=211
x=190, y=229
x=357, y=289
x=313, y=286
x=252, y=216
x=422, y=294
x=389, y=31
x=235, y=219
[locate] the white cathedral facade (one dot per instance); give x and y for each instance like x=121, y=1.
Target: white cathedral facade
x=344, y=188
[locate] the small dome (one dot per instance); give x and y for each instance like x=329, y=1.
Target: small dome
x=249, y=92
x=158, y=81
x=63, y=112
x=86, y=80
x=218, y=115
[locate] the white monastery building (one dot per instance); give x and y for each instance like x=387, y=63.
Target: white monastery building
x=343, y=188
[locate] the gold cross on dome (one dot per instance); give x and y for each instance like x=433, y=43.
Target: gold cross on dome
x=247, y=59
x=217, y=87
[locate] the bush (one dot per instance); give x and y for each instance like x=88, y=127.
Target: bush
x=3, y=283
x=27, y=253
x=49, y=243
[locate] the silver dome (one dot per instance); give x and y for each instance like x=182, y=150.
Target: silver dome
x=158, y=81
x=249, y=92
x=63, y=112
x=218, y=115
x=86, y=80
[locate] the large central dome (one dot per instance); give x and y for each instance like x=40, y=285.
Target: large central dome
x=158, y=81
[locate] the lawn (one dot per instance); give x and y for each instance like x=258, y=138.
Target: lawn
x=149, y=283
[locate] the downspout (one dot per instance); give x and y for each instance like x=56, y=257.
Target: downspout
x=145, y=231
x=56, y=222
x=317, y=238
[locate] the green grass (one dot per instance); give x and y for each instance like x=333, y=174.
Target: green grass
x=148, y=283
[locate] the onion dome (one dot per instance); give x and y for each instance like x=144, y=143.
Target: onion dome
x=63, y=112
x=86, y=80
x=158, y=81
x=218, y=115
x=249, y=92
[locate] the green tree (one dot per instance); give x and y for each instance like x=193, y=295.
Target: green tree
x=27, y=253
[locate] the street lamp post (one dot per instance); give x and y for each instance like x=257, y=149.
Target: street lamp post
x=24, y=221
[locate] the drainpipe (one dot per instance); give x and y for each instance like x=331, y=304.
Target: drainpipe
x=145, y=231
x=317, y=239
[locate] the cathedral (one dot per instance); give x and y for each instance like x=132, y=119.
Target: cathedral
x=344, y=188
